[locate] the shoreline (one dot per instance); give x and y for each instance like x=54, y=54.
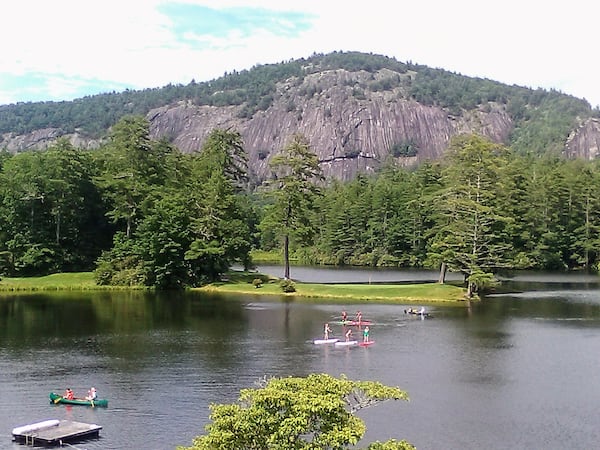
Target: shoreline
x=256, y=284
x=245, y=283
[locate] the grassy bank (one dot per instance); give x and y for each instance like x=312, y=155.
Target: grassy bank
x=242, y=283
x=77, y=281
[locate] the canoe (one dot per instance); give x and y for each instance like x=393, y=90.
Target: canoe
x=326, y=341
x=56, y=398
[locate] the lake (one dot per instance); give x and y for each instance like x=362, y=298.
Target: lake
x=517, y=370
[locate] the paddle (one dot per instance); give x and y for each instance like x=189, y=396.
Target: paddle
x=57, y=399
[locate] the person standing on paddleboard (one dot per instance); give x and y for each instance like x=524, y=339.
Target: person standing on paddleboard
x=366, y=334
x=326, y=331
x=348, y=334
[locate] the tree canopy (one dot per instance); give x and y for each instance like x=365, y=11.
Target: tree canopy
x=314, y=412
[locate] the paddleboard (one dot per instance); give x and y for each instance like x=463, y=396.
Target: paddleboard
x=366, y=344
x=354, y=322
x=345, y=343
x=326, y=341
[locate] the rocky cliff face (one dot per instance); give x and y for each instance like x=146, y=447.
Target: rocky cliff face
x=584, y=142
x=352, y=129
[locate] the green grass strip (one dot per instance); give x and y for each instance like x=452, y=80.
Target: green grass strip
x=395, y=293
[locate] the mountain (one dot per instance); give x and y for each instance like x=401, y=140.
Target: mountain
x=358, y=111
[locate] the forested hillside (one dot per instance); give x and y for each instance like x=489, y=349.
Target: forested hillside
x=139, y=212
x=345, y=158
x=536, y=121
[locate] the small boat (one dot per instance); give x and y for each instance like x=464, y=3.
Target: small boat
x=326, y=341
x=56, y=398
x=415, y=312
x=346, y=343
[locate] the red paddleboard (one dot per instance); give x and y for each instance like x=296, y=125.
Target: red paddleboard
x=366, y=344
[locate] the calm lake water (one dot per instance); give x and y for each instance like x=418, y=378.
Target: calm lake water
x=517, y=371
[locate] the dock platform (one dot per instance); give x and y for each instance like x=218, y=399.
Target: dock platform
x=55, y=432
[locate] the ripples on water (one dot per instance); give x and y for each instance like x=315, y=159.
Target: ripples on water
x=517, y=371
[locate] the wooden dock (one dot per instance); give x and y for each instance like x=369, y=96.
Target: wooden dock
x=55, y=432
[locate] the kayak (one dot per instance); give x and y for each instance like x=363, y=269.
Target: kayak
x=55, y=399
x=326, y=341
x=345, y=343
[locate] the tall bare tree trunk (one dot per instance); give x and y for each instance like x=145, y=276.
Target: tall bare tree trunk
x=286, y=256
x=443, y=270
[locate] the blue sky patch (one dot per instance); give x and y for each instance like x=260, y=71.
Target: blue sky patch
x=201, y=20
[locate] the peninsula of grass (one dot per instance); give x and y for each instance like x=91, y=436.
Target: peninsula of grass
x=244, y=283
x=75, y=281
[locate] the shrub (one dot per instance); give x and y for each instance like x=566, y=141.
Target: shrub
x=287, y=286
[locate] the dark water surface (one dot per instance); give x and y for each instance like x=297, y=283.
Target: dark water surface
x=518, y=371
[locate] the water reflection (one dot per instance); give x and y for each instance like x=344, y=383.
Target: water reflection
x=520, y=360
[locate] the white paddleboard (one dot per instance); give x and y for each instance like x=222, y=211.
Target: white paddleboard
x=345, y=343
x=325, y=341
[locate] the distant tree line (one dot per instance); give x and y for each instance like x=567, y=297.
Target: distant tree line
x=138, y=211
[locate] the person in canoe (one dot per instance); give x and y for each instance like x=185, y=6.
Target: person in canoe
x=366, y=334
x=326, y=331
x=348, y=334
x=92, y=394
x=69, y=395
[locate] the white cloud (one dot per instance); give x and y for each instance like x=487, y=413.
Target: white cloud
x=130, y=43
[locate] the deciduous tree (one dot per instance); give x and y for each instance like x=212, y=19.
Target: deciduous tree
x=294, y=413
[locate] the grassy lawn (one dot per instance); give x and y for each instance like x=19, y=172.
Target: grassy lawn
x=241, y=283
x=55, y=282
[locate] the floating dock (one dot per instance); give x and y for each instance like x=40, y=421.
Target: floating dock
x=54, y=432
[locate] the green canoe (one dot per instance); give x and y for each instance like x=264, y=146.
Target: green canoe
x=55, y=398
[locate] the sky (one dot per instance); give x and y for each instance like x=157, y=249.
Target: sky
x=65, y=49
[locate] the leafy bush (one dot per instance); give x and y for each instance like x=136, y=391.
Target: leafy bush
x=287, y=286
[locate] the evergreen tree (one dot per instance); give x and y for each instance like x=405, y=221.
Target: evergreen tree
x=467, y=240
x=294, y=190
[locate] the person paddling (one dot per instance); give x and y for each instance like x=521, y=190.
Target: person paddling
x=92, y=394
x=326, y=331
x=348, y=334
x=358, y=317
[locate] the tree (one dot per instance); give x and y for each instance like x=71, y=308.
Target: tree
x=220, y=222
x=130, y=166
x=315, y=412
x=52, y=219
x=468, y=238
x=296, y=171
